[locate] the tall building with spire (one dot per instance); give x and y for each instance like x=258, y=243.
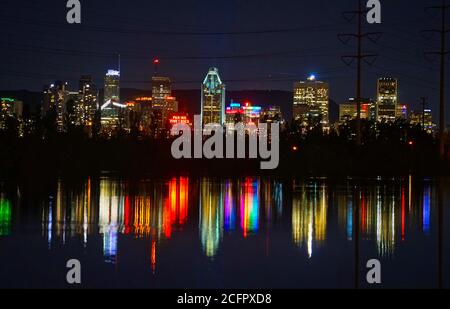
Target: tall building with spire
x=112, y=111
x=213, y=98
x=112, y=87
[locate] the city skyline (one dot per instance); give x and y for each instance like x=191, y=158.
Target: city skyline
x=199, y=148
x=227, y=46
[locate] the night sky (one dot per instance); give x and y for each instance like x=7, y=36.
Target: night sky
x=256, y=44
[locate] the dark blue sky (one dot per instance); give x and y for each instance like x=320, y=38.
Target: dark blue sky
x=38, y=46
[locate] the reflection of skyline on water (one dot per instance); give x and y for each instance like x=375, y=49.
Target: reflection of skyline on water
x=244, y=208
x=309, y=216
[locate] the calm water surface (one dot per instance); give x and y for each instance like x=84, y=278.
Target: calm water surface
x=233, y=233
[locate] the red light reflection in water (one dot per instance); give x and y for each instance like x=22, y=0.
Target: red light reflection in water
x=153, y=256
x=127, y=216
x=403, y=212
x=363, y=213
x=176, y=205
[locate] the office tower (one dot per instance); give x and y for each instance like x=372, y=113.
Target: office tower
x=163, y=104
x=348, y=110
x=10, y=108
x=112, y=111
x=272, y=114
x=140, y=115
x=423, y=118
x=48, y=98
x=113, y=118
x=213, y=99
x=402, y=111
x=72, y=116
x=234, y=113
x=55, y=98
x=252, y=114
x=311, y=99
x=88, y=102
x=247, y=113
x=112, y=87
x=387, y=99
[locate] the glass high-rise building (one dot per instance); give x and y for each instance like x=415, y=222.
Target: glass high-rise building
x=272, y=114
x=311, y=100
x=10, y=108
x=387, y=99
x=55, y=97
x=423, y=118
x=163, y=104
x=112, y=87
x=349, y=110
x=87, y=101
x=213, y=98
x=112, y=111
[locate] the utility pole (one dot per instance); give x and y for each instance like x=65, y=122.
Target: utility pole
x=424, y=104
x=442, y=53
x=348, y=59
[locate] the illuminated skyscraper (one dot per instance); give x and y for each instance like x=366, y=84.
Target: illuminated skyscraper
x=9, y=108
x=387, y=99
x=140, y=115
x=424, y=119
x=311, y=99
x=272, y=114
x=234, y=114
x=213, y=98
x=161, y=89
x=55, y=97
x=247, y=113
x=87, y=101
x=163, y=104
x=402, y=111
x=112, y=111
x=348, y=111
x=112, y=87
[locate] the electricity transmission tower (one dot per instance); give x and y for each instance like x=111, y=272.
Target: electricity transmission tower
x=359, y=56
x=442, y=53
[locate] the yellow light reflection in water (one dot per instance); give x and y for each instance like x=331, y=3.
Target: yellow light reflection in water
x=111, y=215
x=309, y=217
x=211, y=216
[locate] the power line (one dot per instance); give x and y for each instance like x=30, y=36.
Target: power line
x=359, y=56
x=442, y=53
x=97, y=54
x=99, y=28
